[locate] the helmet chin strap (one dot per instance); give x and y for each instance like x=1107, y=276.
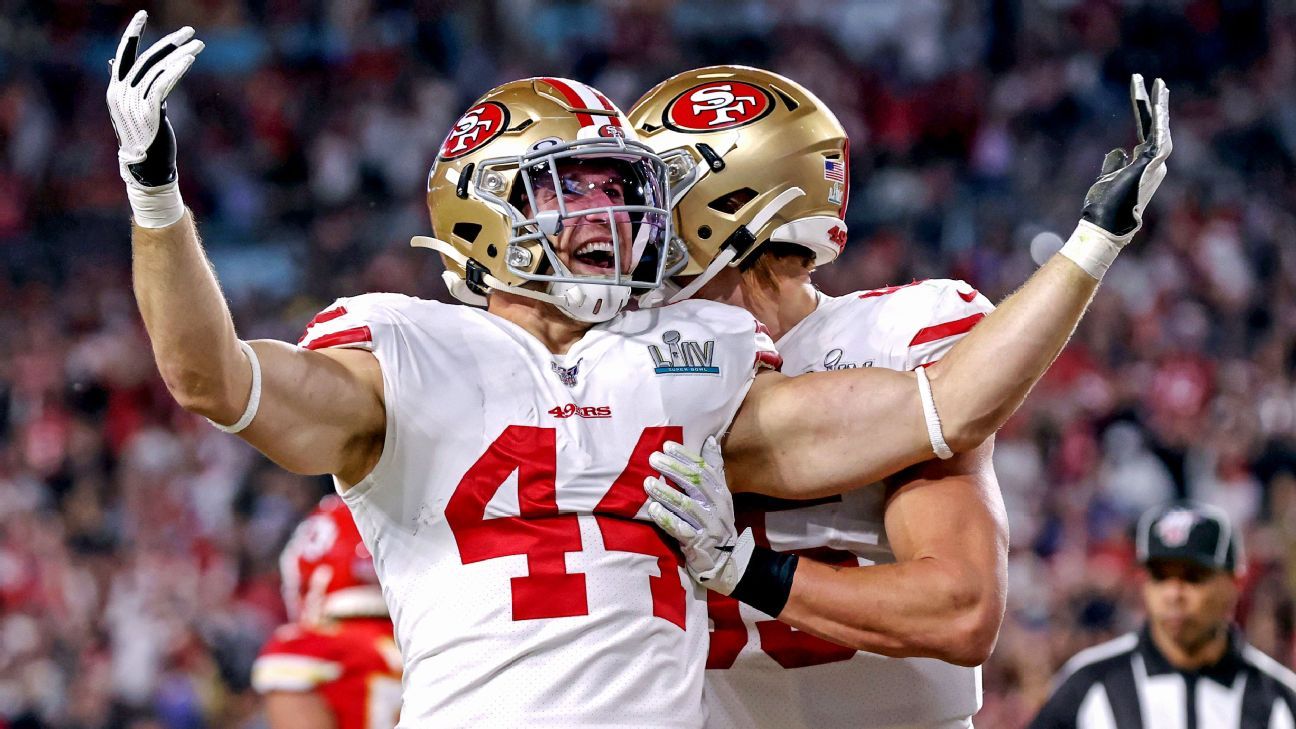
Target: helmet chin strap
x=726, y=255
x=587, y=302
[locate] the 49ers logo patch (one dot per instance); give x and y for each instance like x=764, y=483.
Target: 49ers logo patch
x=570, y=409
x=717, y=105
x=475, y=128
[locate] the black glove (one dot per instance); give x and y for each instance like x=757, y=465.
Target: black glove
x=1116, y=201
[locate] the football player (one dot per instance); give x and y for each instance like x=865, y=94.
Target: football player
x=494, y=459
x=905, y=579
x=335, y=666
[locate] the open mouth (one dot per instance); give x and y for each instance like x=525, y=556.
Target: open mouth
x=594, y=257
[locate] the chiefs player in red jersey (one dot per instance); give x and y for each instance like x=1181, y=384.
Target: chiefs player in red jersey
x=336, y=665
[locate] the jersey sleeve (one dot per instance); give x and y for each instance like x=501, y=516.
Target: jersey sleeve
x=767, y=356
x=928, y=318
x=294, y=660
x=357, y=322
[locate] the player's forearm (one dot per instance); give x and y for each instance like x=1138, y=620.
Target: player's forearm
x=924, y=607
x=987, y=375
x=188, y=322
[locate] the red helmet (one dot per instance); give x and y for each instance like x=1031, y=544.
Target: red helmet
x=327, y=570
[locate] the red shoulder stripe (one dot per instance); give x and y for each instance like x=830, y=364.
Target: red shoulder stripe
x=320, y=318
x=354, y=335
x=327, y=315
x=948, y=329
x=888, y=290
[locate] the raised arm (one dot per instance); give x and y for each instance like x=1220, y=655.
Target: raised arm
x=825, y=433
x=316, y=412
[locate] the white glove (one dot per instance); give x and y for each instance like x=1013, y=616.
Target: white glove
x=1114, y=205
x=701, y=517
x=137, y=91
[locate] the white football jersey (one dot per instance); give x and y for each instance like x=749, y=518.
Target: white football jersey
x=505, y=515
x=764, y=673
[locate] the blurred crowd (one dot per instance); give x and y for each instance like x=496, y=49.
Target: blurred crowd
x=138, y=545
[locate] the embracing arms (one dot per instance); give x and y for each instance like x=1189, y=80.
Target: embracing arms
x=942, y=598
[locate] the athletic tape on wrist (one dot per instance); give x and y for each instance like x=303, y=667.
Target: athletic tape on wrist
x=934, y=432
x=254, y=399
x=1092, y=248
x=156, y=207
x=767, y=583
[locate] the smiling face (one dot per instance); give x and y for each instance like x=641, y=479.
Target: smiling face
x=587, y=188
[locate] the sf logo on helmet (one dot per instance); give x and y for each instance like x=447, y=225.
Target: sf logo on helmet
x=476, y=127
x=718, y=105
x=722, y=101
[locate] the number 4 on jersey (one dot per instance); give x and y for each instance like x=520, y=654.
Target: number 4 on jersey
x=545, y=535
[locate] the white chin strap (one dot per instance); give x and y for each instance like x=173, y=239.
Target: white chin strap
x=588, y=302
x=662, y=295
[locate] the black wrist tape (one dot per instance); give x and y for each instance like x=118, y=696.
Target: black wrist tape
x=767, y=582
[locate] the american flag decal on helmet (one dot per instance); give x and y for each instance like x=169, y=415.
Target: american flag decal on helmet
x=835, y=170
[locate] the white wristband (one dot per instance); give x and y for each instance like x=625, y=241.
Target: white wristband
x=1092, y=248
x=156, y=207
x=254, y=399
x=934, y=433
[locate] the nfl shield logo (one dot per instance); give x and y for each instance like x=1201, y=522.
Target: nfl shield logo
x=566, y=375
x=1173, y=528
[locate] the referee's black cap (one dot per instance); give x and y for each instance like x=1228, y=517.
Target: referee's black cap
x=1190, y=531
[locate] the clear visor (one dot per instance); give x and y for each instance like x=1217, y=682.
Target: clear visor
x=597, y=208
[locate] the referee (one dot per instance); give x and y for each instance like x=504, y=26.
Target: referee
x=1189, y=667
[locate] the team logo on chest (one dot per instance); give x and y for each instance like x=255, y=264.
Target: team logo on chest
x=717, y=105
x=475, y=128
x=833, y=361
x=683, y=357
x=566, y=375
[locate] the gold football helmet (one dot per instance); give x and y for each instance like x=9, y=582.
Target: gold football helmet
x=752, y=157
x=542, y=189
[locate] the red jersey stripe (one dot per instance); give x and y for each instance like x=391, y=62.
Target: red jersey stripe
x=327, y=315
x=888, y=290
x=354, y=335
x=948, y=329
x=320, y=318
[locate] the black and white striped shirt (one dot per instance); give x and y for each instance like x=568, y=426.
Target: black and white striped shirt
x=1128, y=684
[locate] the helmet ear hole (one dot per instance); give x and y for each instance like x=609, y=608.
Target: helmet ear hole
x=732, y=201
x=467, y=232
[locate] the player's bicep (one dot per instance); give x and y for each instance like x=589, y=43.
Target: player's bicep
x=950, y=510
x=825, y=433
x=298, y=710
x=321, y=411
